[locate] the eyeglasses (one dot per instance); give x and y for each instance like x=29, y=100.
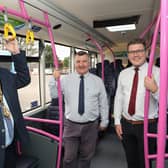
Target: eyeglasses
x=136, y=51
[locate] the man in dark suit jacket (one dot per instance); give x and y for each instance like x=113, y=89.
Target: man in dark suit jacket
x=10, y=82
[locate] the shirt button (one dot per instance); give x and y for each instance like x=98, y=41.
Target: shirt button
x=3, y=146
x=2, y=130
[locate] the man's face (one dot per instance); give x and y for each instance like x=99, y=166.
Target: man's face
x=137, y=54
x=82, y=64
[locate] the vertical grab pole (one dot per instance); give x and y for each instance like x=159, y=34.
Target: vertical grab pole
x=147, y=94
x=23, y=10
x=55, y=58
x=163, y=84
x=101, y=53
x=148, y=28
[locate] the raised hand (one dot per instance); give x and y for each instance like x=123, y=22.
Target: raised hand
x=12, y=45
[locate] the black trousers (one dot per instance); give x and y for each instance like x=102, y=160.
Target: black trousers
x=10, y=156
x=133, y=142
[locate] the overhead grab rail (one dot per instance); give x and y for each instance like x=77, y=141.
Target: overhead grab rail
x=8, y=28
x=100, y=51
x=23, y=14
x=148, y=28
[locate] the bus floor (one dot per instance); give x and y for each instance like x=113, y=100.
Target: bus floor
x=109, y=152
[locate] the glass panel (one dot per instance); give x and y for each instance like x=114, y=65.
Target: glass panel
x=47, y=79
x=63, y=53
x=30, y=95
x=32, y=50
x=93, y=60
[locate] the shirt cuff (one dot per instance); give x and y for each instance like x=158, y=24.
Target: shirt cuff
x=104, y=123
x=117, y=121
x=155, y=95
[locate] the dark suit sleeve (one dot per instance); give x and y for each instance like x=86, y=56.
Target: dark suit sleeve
x=22, y=72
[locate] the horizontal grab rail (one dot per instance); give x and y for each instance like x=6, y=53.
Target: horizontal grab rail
x=42, y=120
x=39, y=131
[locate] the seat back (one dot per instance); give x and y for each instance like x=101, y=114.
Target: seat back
x=43, y=148
x=24, y=161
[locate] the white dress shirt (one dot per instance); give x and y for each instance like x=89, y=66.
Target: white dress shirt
x=96, y=103
x=123, y=92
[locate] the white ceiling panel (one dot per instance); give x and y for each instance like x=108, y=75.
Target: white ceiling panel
x=77, y=16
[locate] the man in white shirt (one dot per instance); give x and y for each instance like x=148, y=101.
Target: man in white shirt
x=81, y=125
x=129, y=124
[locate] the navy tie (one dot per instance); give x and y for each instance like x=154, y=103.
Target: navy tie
x=81, y=107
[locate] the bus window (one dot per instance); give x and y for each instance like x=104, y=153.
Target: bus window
x=63, y=53
x=30, y=95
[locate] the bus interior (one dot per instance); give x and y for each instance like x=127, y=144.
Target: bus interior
x=59, y=30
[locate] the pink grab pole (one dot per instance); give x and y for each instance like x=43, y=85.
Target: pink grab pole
x=55, y=58
x=163, y=84
x=100, y=51
x=147, y=94
x=148, y=28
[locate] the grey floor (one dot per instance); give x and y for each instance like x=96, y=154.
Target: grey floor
x=109, y=153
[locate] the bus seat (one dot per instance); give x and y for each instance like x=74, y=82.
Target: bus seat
x=43, y=148
x=53, y=114
x=93, y=71
x=27, y=162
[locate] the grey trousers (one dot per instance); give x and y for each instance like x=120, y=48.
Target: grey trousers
x=79, y=143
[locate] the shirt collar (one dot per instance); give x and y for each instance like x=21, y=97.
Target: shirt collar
x=85, y=75
x=141, y=67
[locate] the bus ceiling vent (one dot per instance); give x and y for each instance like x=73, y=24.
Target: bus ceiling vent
x=57, y=26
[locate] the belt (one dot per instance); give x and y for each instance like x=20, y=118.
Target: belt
x=82, y=123
x=139, y=121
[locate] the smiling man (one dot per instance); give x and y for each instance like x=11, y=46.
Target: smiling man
x=85, y=103
x=129, y=104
